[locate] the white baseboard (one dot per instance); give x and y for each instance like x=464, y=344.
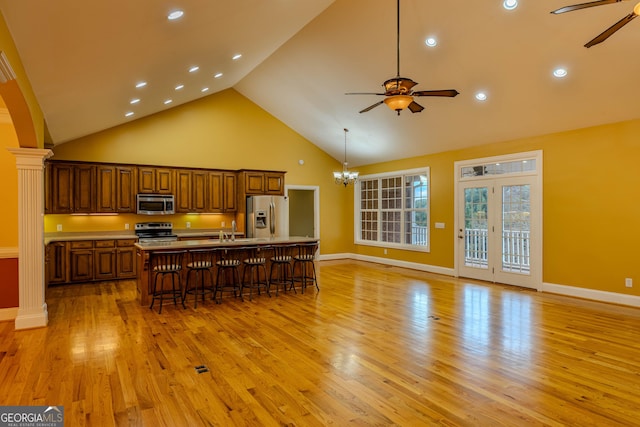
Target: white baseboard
x=573, y=291
x=592, y=294
x=388, y=261
x=8, y=313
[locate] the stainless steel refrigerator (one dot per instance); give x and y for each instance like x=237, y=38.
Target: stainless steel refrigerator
x=267, y=216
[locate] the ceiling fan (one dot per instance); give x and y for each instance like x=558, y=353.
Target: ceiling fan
x=398, y=91
x=609, y=31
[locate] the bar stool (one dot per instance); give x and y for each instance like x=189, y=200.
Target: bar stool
x=162, y=264
x=305, y=261
x=200, y=264
x=254, y=264
x=281, y=265
x=228, y=277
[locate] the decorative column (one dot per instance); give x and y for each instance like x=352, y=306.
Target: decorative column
x=32, y=311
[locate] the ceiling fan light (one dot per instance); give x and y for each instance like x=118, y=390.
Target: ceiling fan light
x=636, y=9
x=398, y=102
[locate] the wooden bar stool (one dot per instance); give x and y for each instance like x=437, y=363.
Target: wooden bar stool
x=200, y=263
x=254, y=265
x=228, y=277
x=281, y=265
x=305, y=261
x=162, y=264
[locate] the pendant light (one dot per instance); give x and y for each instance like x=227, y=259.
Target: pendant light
x=345, y=177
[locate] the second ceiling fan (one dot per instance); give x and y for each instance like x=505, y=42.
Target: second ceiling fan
x=609, y=31
x=398, y=91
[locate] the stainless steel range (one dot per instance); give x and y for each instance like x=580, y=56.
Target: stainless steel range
x=155, y=232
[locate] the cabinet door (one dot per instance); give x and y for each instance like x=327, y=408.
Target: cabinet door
x=84, y=188
x=164, y=181
x=230, y=191
x=126, y=189
x=183, y=191
x=215, y=192
x=61, y=188
x=104, y=263
x=198, y=191
x=146, y=180
x=47, y=188
x=81, y=261
x=274, y=183
x=126, y=259
x=254, y=182
x=106, y=188
x=57, y=268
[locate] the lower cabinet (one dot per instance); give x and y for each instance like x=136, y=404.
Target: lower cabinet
x=90, y=260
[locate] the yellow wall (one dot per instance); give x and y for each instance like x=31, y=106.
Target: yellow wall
x=225, y=131
x=9, y=188
x=591, y=205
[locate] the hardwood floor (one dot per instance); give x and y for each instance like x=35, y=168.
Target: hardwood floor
x=376, y=346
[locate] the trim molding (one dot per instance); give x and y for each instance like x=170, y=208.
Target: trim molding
x=592, y=294
x=9, y=253
x=393, y=262
x=552, y=288
x=8, y=314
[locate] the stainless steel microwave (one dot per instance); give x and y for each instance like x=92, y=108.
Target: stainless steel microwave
x=155, y=204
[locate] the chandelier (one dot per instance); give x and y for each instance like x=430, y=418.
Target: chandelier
x=345, y=177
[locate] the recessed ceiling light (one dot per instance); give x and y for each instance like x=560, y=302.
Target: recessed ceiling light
x=237, y=56
x=204, y=89
x=481, y=96
x=510, y=4
x=560, y=72
x=134, y=101
x=194, y=69
x=129, y=114
x=168, y=101
x=217, y=76
x=141, y=84
x=176, y=14
x=431, y=41
x=179, y=87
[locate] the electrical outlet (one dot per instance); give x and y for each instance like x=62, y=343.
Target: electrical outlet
x=628, y=282
x=59, y=227
x=223, y=224
x=385, y=251
x=126, y=226
x=188, y=224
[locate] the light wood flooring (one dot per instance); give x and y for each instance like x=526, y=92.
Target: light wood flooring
x=377, y=346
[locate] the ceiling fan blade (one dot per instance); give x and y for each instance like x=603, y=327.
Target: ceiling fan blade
x=371, y=107
x=415, y=107
x=448, y=92
x=612, y=29
x=584, y=6
x=363, y=93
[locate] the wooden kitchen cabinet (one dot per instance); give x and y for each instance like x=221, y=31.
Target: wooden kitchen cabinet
x=199, y=191
x=84, y=184
x=183, y=191
x=104, y=260
x=274, y=183
x=155, y=180
x=126, y=259
x=256, y=182
x=126, y=189
x=61, y=176
x=106, y=190
x=222, y=192
x=81, y=261
x=56, y=262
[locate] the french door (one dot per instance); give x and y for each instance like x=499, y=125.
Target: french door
x=498, y=230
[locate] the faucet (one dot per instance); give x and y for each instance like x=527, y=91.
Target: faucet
x=233, y=230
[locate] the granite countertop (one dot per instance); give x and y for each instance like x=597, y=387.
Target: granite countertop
x=215, y=243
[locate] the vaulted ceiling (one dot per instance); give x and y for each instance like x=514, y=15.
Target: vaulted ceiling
x=299, y=58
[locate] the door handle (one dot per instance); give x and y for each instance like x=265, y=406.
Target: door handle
x=460, y=234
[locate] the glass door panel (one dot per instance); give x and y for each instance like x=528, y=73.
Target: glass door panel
x=474, y=234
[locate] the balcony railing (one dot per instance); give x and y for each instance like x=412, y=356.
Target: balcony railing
x=515, y=249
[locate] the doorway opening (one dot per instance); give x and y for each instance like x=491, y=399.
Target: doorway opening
x=304, y=210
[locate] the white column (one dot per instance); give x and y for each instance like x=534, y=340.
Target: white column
x=32, y=310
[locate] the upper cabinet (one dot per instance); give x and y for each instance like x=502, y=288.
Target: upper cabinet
x=221, y=191
x=256, y=182
x=155, y=180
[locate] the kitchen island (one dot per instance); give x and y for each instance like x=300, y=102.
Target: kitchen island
x=143, y=250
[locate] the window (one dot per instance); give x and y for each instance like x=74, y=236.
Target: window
x=394, y=210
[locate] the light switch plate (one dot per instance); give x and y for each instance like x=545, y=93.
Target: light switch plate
x=439, y=224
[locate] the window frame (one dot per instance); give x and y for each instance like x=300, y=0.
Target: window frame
x=403, y=174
